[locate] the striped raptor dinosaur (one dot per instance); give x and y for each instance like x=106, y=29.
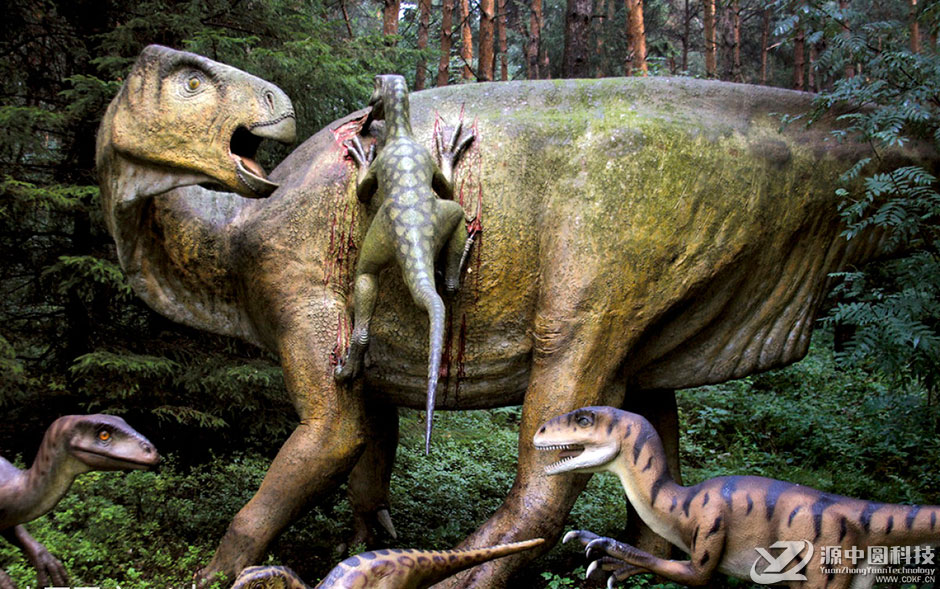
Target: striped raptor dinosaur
x=725, y=524
x=72, y=445
x=410, y=227
x=384, y=569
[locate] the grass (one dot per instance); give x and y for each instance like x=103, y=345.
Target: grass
x=841, y=431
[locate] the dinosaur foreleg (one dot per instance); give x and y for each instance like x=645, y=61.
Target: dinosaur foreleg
x=317, y=456
x=573, y=366
x=370, y=479
x=49, y=571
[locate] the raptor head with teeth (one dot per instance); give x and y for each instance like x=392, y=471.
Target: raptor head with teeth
x=200, y=118
x=588, y=439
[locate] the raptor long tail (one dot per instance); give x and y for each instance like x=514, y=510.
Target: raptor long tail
x=436, y=311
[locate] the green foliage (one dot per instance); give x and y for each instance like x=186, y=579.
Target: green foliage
x=889, y=310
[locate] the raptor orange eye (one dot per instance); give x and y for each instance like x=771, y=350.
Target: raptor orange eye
x=194, y=83
x=104, y=435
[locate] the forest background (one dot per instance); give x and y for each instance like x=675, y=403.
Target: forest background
x=860, y=416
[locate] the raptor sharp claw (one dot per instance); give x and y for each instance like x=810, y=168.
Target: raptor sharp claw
x=591, y=568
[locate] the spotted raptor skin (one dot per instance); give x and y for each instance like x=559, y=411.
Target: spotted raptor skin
x=722, y=522
x=383, y=569
x=411, y=226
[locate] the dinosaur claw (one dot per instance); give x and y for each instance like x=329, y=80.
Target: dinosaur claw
x=610, y=582
x=591, y=568
x=570, y=536
x=385, y=519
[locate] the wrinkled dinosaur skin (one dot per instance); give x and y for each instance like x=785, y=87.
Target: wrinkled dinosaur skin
x=383, y=569
x=722, y=522
x=639, y=234
x=410, y=228
x=72, y=445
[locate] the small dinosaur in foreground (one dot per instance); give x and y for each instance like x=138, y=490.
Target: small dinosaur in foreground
x=410, y=227
x=384, y=569
x=72, y=445
x=721, y=522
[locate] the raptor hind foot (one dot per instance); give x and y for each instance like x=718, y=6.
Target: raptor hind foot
x=351, y=365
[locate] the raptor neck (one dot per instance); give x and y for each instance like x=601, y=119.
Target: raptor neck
x=644, y=474
x=397, y=117
x=39, y=488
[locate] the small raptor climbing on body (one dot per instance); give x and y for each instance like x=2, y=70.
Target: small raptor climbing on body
x=72, y=445
x=723, y=522
x=410, y=227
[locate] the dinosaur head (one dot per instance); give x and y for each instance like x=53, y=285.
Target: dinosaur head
x=390, y=101
x=106, y=442
x=187, y=113
x=589, y=439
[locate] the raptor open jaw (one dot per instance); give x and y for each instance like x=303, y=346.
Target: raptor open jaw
x=577, y=457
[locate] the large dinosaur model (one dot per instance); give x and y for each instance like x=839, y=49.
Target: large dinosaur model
x=410, y=228
x=72, y=445
x=383, y=569
x=722, y=523
x=641, y=235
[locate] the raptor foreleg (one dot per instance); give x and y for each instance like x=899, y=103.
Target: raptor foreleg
x=49, y=570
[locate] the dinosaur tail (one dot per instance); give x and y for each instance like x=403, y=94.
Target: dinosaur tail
x=415, y=569
x=435, y=308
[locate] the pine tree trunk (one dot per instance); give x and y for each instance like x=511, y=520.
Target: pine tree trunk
x=764, y=42
x=811, y=82
x=736, y=72
x=466, y=41
x=799, y=59
x=711, y=47
x=424, y=18
x=502, y=21
x=601, y=70
x=686, y=36
x=534, y=44
x=849, y=66
x=915, y=28
x=447, y=35
x=636, y=38
x=577, y=35
x=390, y=17
x=487, y=39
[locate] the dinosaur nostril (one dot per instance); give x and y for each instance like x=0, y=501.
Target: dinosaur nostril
x=269, y=99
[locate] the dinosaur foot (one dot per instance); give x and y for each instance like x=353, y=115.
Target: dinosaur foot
x=49, y=570
x=366, y=532
x=5, y=581
x=613, y=559
x=351, y=365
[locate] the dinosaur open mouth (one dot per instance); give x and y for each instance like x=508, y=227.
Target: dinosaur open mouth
x=567, y=452
x=244, y=148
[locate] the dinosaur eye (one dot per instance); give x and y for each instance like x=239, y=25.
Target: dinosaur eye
x=104, y=435
x=585, y=421
x=193, y=83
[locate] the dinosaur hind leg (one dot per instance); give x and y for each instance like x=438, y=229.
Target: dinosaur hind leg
x=370, y=479
x=364, y=294
x=458, y=245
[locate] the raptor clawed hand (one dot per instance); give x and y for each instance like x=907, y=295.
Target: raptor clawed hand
x=609, y=556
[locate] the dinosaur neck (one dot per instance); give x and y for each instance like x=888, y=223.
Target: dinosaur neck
x=173, y=240
x=644, y=473
x=38, y=489
x=397, y=115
